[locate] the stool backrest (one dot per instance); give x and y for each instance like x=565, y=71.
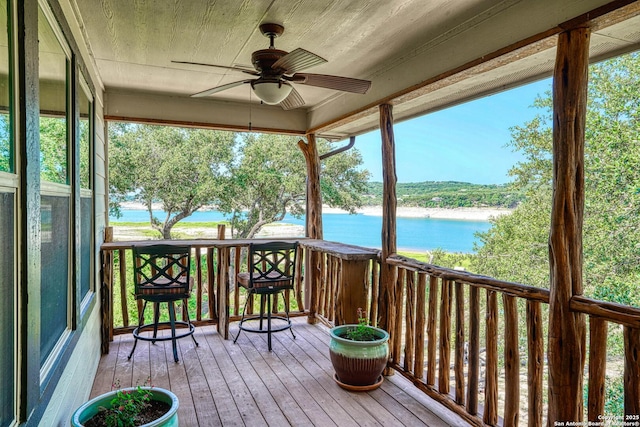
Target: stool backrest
x=272, y=264
x=161, y=272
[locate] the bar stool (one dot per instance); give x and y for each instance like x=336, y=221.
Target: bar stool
x=271, y=271
x=161, y=275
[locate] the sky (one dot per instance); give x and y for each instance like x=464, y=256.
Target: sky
x=463, y=143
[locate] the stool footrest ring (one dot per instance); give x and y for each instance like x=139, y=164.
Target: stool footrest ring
x=278, y=328
x=190, y=329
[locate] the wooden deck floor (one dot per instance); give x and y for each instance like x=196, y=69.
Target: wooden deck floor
x=221, y=383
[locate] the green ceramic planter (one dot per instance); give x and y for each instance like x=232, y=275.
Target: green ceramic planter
x=358, y=364
x=90, y=408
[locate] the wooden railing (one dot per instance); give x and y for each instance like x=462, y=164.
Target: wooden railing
x=447, y=305
x=600, y=315
x=340, y=281
x=438, y=345
x=457, y=337
x=344, y=278
x=217, y=298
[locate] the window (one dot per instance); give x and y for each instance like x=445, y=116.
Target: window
x=7, y=308
x=56, y=192
x=54, y=141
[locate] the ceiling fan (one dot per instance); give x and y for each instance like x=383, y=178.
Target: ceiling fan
x=276, y=69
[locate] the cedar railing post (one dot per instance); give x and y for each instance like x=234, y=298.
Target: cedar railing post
x=631, y=373
x=106, y=295
x=566, y=352
x=597, y=368
x=222, y=274
x=313, y=222
x=388, y=272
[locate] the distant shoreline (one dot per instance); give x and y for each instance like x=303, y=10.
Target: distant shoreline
x=469, y=214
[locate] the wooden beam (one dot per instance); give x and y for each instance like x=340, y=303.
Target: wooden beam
x=567, y=332
x=388, y=273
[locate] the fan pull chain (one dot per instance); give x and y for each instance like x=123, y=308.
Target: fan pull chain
x=250, y=90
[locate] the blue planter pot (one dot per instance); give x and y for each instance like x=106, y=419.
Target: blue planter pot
x=358, y=364
x=91, y=408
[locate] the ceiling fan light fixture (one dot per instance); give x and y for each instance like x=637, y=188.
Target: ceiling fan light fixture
x=271, y=92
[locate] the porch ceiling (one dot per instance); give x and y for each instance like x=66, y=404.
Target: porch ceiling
x=403, y=46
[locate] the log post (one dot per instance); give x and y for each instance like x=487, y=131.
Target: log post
x=567, y=336
x=432, y=322
x=313, y=222
x=314, y=194
x=388, y=273
x=222, y=274
x=511, y=361
x=198, y=284
x=211, y=300
x=106, y=295
x=410, y=321
x=597, y=368
x=444, y=361
x=474, y=350
x=418, y=369
x=124, y=307
x=631, y=373
x=490, y=416
x=535, y=362
x=459, y=347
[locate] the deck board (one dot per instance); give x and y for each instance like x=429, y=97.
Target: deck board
x=274, y=383
x=226, y=408
x=220, y=383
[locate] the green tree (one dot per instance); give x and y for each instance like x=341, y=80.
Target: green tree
x=268, y=180
x=181, y=169
x=5, y=144
x=53, y=149
x=612, y=186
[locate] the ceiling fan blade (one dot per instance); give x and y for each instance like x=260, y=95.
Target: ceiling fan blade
x=220, y=88
x=242, y=69
x=345, y=84
x=294, y=100
x=297, y=60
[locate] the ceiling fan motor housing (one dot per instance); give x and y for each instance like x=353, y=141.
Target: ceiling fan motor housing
x=264, y=59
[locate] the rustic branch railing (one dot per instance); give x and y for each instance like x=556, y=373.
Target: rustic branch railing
x=427, y=296
x=438, y=339
x=448, y=302
x=216, y=296
x=600, y=314
x=341, y=283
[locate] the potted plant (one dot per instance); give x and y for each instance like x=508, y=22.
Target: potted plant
x=141, y=406
x=359, y=354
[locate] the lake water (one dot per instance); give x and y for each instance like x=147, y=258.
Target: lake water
x=415, y=234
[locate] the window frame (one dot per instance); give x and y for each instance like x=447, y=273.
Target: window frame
x=47, y=366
